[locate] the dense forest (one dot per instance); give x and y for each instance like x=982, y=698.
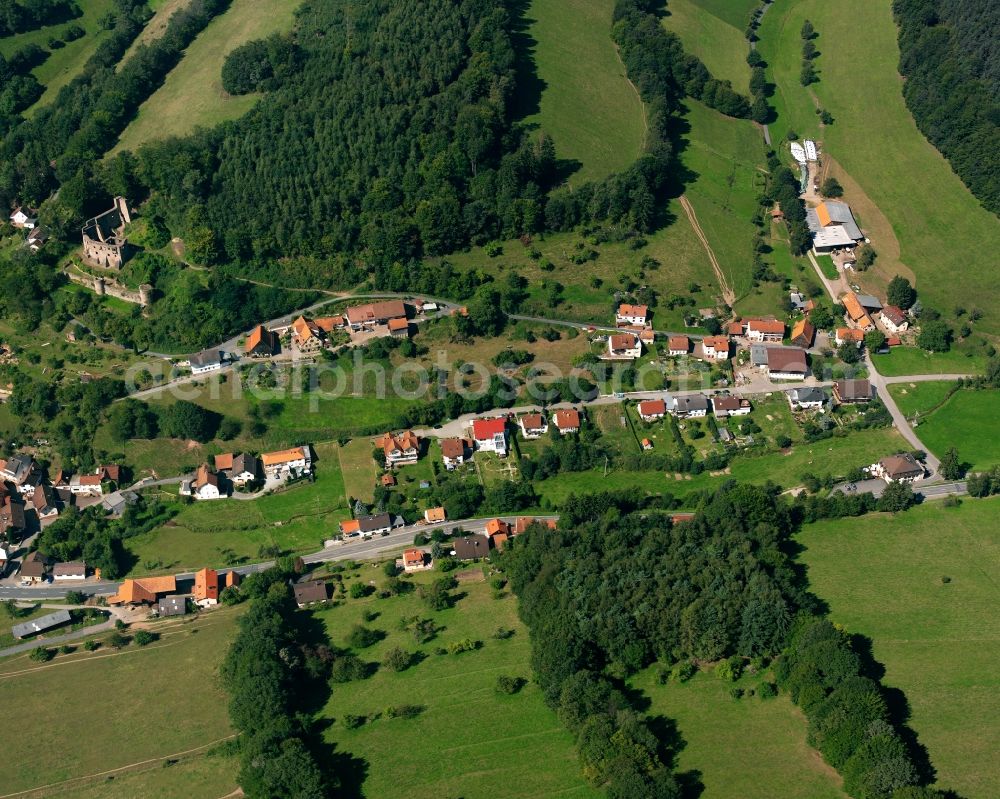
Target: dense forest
x=18, y=17
x=950, y=57
x=618, y=586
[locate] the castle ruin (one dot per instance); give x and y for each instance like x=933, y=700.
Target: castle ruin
x=104, y=242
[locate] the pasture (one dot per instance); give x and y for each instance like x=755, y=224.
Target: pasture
x=577, y=91
x=192, y=95
x=923, y=586
x=960, y=359
x=936, y=230
x=751, y=748
x=167, y=690
x=719, y=44
x=921, y=398
x=732, y=12
x=967, y=421
x=469, y=740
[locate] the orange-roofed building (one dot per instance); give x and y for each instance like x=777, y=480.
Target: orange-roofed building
x=413, y=560
x=494, y=526
x=522, y=523
x=803, y=333
x=399, y=328
x=735, y=328
x=143, y=591
x=330, y=323
x=650, y=410
x=261, y=343
x=306, y=334
x=498, y=541
x=434, y=515
x=233, y=578
x=287, y=462
x=224, y=461
x=849, y=334
x=678, y=345
x=715, y=348
x=647, y=444
x=632, y=315
x=388, y=480
x=206, y=588
x=765, y=329
x=400, y=450
x=567, y=420
x=350, y=527
x=856, y=313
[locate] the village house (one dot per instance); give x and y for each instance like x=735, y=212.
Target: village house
x=715, y=348
x=261, y=343
x=728, y=405
x=400, y=449
x=171, y=606
x=34, y=567
x=567, y=420
x=893, y=319
x=206, y=588
x=651, y=410
x=37, y=239
x=631, y=315
x=104, y=241
x=765, y=330
x=308, y=592
x=784, y=363
x=307, y=336
x=45, y=502
x=13, y=522
x=22, y=471
x=453, y=452
x=399, y=328
x=803, y=333
x=857, y=315
x=287, y=463
x=471, y=547
x=366, y=317
x=238, y=469
x=414, y=560
x=499, y=532
x=490, y=435
x=116, y=502
x=143, y=591
x=86, y=485
x=387, y=480
x=533, y=425
x=205, y=485
x=41, y=624
x=689, y=406
x=380, y=523
x=65, y=572
x=435, y=515
x=206, y=361
x=678, y=345
x=849, y=392
x=902, y=468
x=522, y=523
x=806, y=399
x=23, y=219
x=624, y=345
x=832, y=226
x=851, y=334
x=330, y=323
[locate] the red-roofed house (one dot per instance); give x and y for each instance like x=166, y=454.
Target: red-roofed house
x=650, y=410
x=678, y=345
x=533, y=425
x=414, y=560
x=624, y=345
x=631, y=315
x=400, y=450
x=715, y=348
x=206, y=588
x=567, y=421
x=894, y=319
x=490, y=435
x=765, y=329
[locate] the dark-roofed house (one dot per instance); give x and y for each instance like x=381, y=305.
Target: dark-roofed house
x=309, y=591
x=786, y=363
x=807, y=398
x=41, y=624
x=902, y=468
x=46, y=502
x=172, y=606
x=376, y=523
x=206, y=361
x=34, y=567
x=758, y=355
x=728, y=405
x=693, y=405
x=894, y=319
x=19, y=469
x=471, y=547
x=74, y=570
x=116, y=502
x=13, y=523
x=852, y=391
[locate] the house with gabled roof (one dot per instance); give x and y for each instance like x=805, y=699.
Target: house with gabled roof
x=852, y=391
x=206, y=588
x=261, y=343
x=567, y=420
x=689, y=406
x=786, y=363
x=901, y=468
x=678, y=345
x=286, y=463
x=724, y=405
x=414, y=560
x=533, y=425
x=23, y=218
x=453, y=452
x=624, y=346
x=373, y=314
x=631, y=315
x=803, y=333
x=400, y=449
x=490, y=435
x=651, y=410
x=143, y=590
x=765, y=330
x=307, y=336
x=894, y=319
x=715, y=348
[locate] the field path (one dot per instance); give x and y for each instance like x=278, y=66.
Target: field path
x=727, y=293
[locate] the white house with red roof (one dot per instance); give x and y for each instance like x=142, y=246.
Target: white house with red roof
x=490, y=435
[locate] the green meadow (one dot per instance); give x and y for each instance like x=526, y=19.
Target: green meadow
x=968, y=422
x=587, y=105
x=718, y=43
x=922, y=585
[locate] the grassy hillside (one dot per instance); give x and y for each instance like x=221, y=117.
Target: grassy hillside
x=936, y=230
x=723, y=156
x=588, y=107
x=469, y=741
x=86, y=713
x=732, y=12
x=192, y=94
x=66, y=62
x=750, y=748
x=967, y=421
x=882, y=577
x=718, y=43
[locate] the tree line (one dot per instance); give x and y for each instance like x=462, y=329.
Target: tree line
x=28, y=15
x=952, y=87
x=618, y=586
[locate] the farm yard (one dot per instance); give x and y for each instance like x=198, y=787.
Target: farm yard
x=922, y=587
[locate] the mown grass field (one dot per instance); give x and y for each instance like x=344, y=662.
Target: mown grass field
x=958, y=360
x=921, y=398
x=724, y=157
x=720, y=44
x=733, y=12
x=968, y=422
x=192, y=95
x=883, y=579
x=750, y=748
x=834, y=457
x=86, y=713
x=226, y=531
x=358, y=468
x=469, y=741
x=65, y=63
x=587, y=105
x=944, y=236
